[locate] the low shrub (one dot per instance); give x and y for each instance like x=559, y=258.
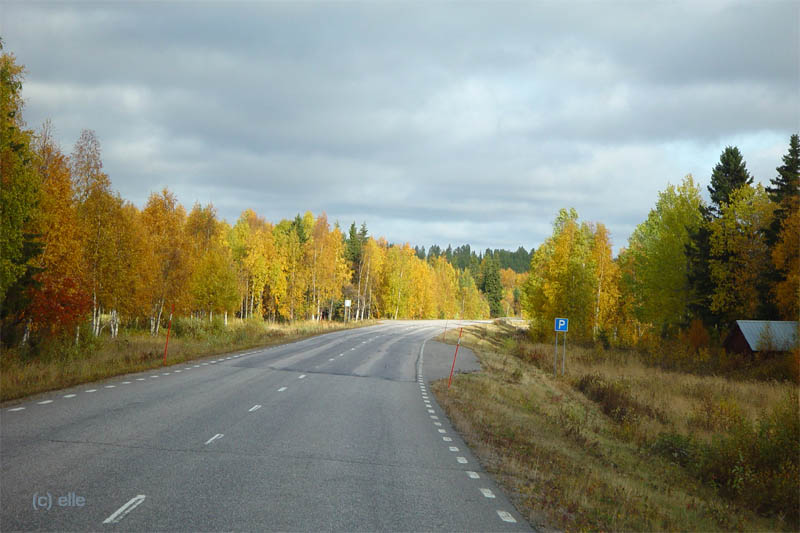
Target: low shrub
x=755, y=464
x=614, y=398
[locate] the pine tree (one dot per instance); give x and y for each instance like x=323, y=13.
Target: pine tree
x=787, y=183
x=491, y=285
x=728, y=175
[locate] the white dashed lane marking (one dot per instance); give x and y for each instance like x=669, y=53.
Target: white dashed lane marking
x=17, y=409
x=301, y=377
x=462, y=460
x=447, y=439
x=282, y=389
x=70, y=395
x=473, y=475
x=487, y=493
x=506, y=516
x=139, y=379
x=442, y=431
x=110, y=386
x=215, y=437
x=256, y=407
x=120, y=513
x=91, y=390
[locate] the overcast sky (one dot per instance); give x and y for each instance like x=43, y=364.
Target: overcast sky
x=436, y=123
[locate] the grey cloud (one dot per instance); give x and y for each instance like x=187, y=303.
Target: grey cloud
x=435, y=123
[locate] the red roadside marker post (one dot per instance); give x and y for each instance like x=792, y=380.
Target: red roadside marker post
x=460, y=330
x=169, y=328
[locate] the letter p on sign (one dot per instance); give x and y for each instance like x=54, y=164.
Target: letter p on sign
x=562, y=324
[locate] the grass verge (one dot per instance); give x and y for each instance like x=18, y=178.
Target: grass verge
x=61, y=364
x=617, y=445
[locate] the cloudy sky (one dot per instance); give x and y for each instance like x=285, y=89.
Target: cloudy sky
x=433, y=122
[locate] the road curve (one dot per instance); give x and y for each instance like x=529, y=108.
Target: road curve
x=337, y=432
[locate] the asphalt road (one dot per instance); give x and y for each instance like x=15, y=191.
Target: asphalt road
x=337, y=432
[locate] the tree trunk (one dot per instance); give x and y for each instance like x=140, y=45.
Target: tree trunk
x=158, y=320
x=27, y=334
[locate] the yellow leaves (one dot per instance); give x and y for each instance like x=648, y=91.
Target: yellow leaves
x=786, y=257
x=740, y=255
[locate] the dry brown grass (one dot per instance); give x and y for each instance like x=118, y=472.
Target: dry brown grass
x=59, y=365
x=567, y=464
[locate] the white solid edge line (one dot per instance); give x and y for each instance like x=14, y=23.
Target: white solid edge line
x=282, y=389
x=215, y=437
x=487, y=493
x=506, y=516
x=120, y=513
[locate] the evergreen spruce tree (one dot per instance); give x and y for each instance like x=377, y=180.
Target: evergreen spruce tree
x=491, y=285
x=728, y=175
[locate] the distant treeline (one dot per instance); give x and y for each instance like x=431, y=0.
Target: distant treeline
x=463, y=257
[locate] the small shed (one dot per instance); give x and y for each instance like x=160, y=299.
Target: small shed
x=751, y=336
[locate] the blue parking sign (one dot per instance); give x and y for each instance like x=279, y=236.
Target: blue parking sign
x=562, y=324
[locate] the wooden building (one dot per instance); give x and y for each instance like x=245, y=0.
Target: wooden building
x=751, y=336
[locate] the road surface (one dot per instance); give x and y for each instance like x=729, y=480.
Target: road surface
x=337, y=432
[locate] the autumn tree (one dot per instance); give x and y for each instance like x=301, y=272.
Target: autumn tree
x=606, y=292
x=19, y=196
x=97, y=206
x=783, y=235
x=740, y=254
x=562, y=280
x=59, y=299
x=786, y=258
x=213, y=282
x=168, y=260
x=657, y=247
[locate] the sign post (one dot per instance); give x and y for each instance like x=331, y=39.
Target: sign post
x=347, y=304
x=458, y=343
x=562, y=324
